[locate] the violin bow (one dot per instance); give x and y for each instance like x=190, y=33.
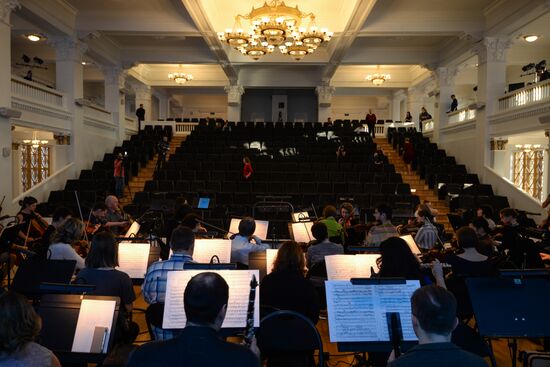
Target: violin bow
x=80, y=212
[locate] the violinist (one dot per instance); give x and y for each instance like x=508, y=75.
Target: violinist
x=61, y=248
x=59, y=216
x=32, y=224
x=486, y=244
x=346, y=215
x=115, y=217
x=241, y=245
x=385, y=229
x=469, y=261
x=97, y=219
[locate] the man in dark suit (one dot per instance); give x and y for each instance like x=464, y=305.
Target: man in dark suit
x=454, y=104
x=371, y=122
x=140, y=113
x=205, y=302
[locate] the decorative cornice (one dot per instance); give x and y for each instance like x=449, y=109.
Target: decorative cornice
x=492, y=49
x=6, y=7
x=234, y=93
x=324, y=94
x=68, y=48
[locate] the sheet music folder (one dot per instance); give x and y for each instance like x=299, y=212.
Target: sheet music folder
x=60, y=313
x=359, y=313
x=522, y=311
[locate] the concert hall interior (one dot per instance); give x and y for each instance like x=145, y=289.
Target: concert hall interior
x=275, y=183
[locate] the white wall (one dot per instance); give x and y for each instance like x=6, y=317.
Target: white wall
x=202, y=105
x=357, y=106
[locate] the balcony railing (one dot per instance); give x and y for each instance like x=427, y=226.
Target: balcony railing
x=462, y=115
x=34, y=91
x=530, y=94
x=428, y=125
x=98, y=113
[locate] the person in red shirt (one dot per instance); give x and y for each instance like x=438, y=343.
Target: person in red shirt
x=118, y=174
x=247, y=169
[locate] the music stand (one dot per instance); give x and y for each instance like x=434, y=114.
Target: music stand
x=257, y=261
x=32, y=272
x=59, y=314
x=522, y=312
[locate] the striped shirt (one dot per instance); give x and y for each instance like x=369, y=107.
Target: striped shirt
x=154, y=286
x=426, y=237
x=378, y=234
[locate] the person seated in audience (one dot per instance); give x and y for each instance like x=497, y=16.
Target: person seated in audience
x=241, y=244
x=379, y=158
x=182, y=244
x=385, y=229
x=397, y=260
x=427, y=235
x=19, y=328
x=323, y=247
x=433, y=320
x=341, y=152
x=100, y=271
x=226, y=127
x=31, y=222
x=205, y=303
x=335, y=230
x=61, y=248
x=286, y=287
x=247, y=168
x=346, y=215
x=59, y=216
x=470, y=261
x=486, y=212
x=486, y=244
x=114, y=217
x=190, y=221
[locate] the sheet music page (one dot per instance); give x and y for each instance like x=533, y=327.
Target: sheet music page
x=412, y=244
x=133, y=230
x=363, y=264
x=340, y=267
x=261, y=227
x=205, y=249
x=133, y=258
x=239, y=290
x=357, y=313
x=270, y=255
x=93, y=313
x=302, y=232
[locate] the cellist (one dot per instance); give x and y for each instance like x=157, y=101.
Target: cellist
x=32, y=224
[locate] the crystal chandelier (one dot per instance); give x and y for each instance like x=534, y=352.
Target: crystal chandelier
x=180, y=78
x=378, y=78
x=275, y=25
x=35, y=142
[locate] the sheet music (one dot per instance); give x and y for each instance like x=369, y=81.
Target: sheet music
x=133, y=258
x=205, y=249
x=93, y=313
x=239, y=290
x=133, y=230
x=345, y=267
x=412, y=244
x=261, y=227
x=301, y=232
x=48, y=220
x=298, y=216
x=357, y=313
x=270, y=255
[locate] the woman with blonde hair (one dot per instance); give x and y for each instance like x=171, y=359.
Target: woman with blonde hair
x=286, y=287
x=62, y=239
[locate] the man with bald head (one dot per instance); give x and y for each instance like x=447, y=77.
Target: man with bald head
x=114, y=217
x=205, y=302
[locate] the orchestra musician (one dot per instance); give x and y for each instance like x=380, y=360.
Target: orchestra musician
x=62, y=242
x=116, y=220
x=32, y=224
x=59, y=216
x=96, y=219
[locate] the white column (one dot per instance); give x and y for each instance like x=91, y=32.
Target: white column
x=115, y=102
x=143, y=96
x=445, y=78
x=234, y=96
x=491, y=83
x=414, y=103
x=69, y=79
x=6, y=187
x=324, y=102
x=396, y=113
x=163, y=106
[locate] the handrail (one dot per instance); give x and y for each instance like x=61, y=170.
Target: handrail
x=43, y=182
x=530, y=94
x=462, y=115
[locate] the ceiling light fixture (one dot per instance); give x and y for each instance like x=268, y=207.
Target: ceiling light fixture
x=180, y=78
x=275, y=25
x=378, y=78
x=530, y=38
x=34, y=37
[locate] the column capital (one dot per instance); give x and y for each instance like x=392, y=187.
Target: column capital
x=6, y=7
x=445, y=75
x=492, y=49
x=143, y=91
x=234, y=93
x=68, y=48
x=324, y=94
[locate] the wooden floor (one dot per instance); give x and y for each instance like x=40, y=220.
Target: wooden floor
x=336, y=358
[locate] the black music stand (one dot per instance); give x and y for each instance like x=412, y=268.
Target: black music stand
x=513, y=306
x=59, y=314
x=257, y=261
x=32, y=272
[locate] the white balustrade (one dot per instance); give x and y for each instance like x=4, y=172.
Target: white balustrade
x=98, y=113
x=428, y=125
x=462, y=115
x=530, y=94
x=30, y=90
x=185, y=128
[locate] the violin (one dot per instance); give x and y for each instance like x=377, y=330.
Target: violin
x=82, y=247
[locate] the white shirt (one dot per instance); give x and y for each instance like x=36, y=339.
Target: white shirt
x=64, y=251
x=241, y=247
